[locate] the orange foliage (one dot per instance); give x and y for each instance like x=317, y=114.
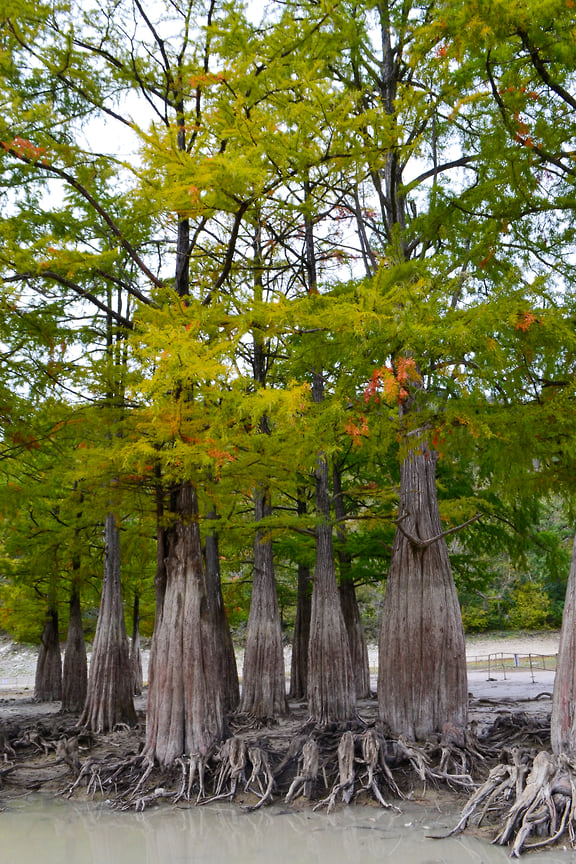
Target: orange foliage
x=525, y=321
x=220, y=456
x=207, y=78
x=487, y=259
x=357, y=432
x=392, y=384
x=27, y=441
x=371, y=390
x=406, y=371
x=23, y=148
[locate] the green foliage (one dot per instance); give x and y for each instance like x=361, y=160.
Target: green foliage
x=22, y=612
x=475, y=620
x=397, y=219
x=237, y=592
x=530, y=606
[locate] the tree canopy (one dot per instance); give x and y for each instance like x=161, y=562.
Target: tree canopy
x=241, y=252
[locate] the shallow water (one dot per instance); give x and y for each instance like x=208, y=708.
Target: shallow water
x=44, y=831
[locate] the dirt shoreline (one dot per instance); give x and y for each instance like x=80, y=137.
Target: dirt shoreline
x=498, y=693
x=541, y=642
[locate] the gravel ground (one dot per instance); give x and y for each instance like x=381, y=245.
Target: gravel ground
x=544, y=642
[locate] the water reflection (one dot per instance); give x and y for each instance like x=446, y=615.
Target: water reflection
x=61, y=832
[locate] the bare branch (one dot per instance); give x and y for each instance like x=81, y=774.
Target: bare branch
x=68, y=178
x=423, y=544
x=73, y=286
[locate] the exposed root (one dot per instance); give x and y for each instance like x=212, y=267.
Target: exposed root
x=346, y=774
x=261, y=780
x=247, y=722
x=232, y=757
x=539, y=800
x=67, y=751
x=6, y=748
x=366, y=765
x=110, y=775
x=145, y=800
x=517, y=729
x=148, y=768
x=308, y=767
x=331, y=764
x=6, y=769
x=34, y=738
x=374, y=759
x=498, y=779
x=193, y=776
x=535, y=792
x=416, y=758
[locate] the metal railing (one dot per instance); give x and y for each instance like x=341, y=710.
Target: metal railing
x=21, y=682
x=503, y=664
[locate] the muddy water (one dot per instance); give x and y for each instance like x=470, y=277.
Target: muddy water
x=44, y=831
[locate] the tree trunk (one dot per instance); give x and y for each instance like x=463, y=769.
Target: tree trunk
x=185, y=706
x=160, y=578
x=225, y=658
x=109, y=700
x=422, y=683
x=263, y=678
x=348, y=600
x=135, y=653
x=331, y=690
x=355, y=631
x=48, y=683
x=75, y=673
x=563, y=720
x=299, y=665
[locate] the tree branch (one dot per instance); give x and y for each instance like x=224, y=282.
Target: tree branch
x=68, y=178
x=423, y=544
x=446, y=166
x=535, y=147
x=229, y=252
x=124, y=286
x=73, y=286
x=540, y=67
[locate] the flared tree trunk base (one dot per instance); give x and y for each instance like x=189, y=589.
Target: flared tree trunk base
x=224, y=657
x=331, y=686
x=75, y=671
x=535, y=800
x=422, y=680
x=286, y=761
x=109, y=700
x=263, y=679
x=48, y=681
x=185, y=699
x=563, y=720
